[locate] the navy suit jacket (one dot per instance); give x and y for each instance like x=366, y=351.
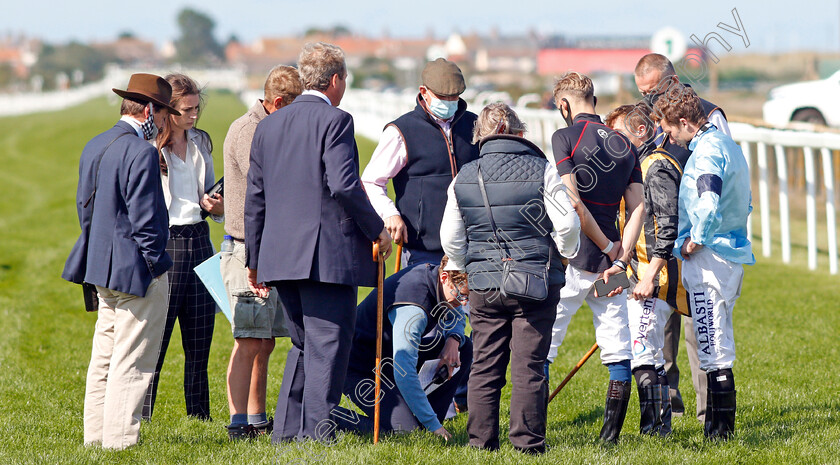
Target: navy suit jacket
x=123, y=243
x=306, y=214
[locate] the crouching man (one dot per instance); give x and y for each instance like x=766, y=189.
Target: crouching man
x=417, y=300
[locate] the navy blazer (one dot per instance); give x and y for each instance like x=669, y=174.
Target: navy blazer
x=123, y=244
x=306, y=214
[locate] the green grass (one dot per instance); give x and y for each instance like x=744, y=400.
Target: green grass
x=787, y=325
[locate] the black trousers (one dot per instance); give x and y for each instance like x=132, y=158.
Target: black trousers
x=321, y=318
x=394, y=412
x=193, y=306
x=506, y=330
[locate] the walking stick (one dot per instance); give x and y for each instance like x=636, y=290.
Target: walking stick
x=380, y=279
x=574, y=370
x=398, y=264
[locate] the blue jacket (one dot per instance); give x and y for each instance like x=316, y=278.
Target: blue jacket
x=306, y=214
x=715, y=197
x=123, y=244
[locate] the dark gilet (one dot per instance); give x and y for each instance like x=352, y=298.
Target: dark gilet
x=514, y=171
x=433, y=160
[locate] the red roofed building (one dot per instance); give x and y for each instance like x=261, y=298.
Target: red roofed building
x=593, y=55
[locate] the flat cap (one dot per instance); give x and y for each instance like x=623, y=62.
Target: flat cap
x=443, y=78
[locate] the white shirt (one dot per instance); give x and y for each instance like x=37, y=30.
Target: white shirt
x=566, y=234
x=134, y=123
x=387, y=161
x=317, y=93
x=719, y=121
x=183, y=179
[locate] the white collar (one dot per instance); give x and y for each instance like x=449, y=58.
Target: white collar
x=134, y=123
x=317, y=93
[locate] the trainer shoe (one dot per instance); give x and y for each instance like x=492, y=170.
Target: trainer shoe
x=265, y=427
x=240, y=432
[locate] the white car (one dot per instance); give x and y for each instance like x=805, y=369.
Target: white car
x=810, y=102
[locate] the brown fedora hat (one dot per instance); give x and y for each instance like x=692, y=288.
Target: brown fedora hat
x=149, y=88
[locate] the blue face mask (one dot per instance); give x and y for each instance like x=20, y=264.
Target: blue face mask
x=443, y=109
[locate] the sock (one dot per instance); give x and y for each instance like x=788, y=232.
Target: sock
x=239, y=419
x=721, y=380
x=663, y=376
x=257, y=419
x=645, y=375
x=620, y=371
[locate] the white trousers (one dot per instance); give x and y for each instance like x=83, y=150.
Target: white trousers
x=609, y=315
x=647, y=330
x=713, y=285
x=126, y=345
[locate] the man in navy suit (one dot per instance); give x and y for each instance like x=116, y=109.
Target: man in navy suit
x=122, y=250
x=308, y=232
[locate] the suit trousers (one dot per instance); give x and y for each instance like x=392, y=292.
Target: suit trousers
x=126, y=343
x=321, y=319
x=505, y=330
x=195, y=309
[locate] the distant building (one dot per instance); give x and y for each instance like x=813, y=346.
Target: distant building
x=130, y=50
x=593, y=55
x=20, y=53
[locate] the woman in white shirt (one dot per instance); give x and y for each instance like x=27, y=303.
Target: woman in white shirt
x=187, y=173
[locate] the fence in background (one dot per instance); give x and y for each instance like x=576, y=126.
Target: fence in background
x=372, y=111
x=233, y=79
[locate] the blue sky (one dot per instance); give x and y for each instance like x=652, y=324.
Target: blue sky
x=772, y=26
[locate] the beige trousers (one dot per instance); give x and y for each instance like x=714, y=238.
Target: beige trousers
x=126, y=345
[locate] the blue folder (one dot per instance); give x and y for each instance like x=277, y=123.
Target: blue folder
x=210, y=273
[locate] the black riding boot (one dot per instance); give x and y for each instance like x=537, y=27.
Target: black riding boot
x=723, y=416
x=709, y=419
x=618, y=396
x=665, y=411
x=720, y=406
x=650, y=402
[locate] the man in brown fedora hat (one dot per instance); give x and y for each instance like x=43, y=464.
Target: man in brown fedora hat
x=122, y=251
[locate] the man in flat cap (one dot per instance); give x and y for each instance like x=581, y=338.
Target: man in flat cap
x=422, y=152
x=122, y=251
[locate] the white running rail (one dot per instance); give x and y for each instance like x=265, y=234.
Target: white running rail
x=372, y=111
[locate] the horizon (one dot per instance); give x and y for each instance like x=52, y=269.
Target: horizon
x=770, y=28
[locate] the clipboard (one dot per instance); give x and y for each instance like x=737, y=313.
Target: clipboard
x=210, y=274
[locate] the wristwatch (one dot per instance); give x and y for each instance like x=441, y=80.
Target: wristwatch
x=457, y=337
x=620, y=263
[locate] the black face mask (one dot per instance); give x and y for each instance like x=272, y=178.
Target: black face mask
x=651, y=98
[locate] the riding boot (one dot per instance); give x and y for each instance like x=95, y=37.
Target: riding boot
x=709, y=420
x=649, y=404
x=665, y=410
x=724, y=414
x=618, y=396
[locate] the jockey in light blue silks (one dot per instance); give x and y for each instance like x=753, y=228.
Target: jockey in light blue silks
x=715, y=202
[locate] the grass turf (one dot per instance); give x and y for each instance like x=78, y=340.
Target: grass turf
x=786, y=330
